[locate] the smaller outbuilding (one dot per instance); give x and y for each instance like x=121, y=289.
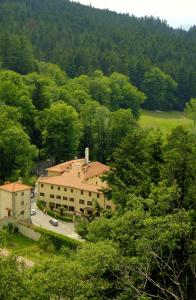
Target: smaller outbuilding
x=15, y=201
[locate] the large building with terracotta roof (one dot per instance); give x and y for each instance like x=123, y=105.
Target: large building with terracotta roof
x=74, y=185
x=15, y=201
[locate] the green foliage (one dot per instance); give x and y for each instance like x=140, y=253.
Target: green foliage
x=136, y=164
x=190, y=110
x=65, y=217
x=12, y=280
x=61, y=130
x=96, y=39
x=3, y=237
x=160, y=89
x=180, y=164
x=17, y=154
x=58, y=240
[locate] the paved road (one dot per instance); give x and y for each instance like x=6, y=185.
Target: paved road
x=65, y=228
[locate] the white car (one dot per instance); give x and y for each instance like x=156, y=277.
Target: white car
x=33, y=212
x=54, y=222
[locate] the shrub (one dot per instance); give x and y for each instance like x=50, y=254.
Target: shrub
x=59, y=240
x=65, y=218
x=3, y=237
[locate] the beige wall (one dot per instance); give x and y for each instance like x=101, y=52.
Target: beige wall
x=44, y=192
x=5, y=203
x=18, y=202
x=28, y=231
x=22, y=201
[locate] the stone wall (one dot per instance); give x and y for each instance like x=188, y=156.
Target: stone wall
x=28, y=231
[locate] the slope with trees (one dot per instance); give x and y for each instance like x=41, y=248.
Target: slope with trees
x=82, y=39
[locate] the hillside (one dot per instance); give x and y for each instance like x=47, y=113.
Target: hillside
x=82, y=39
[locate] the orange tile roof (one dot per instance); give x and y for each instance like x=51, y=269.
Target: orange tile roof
x=95, y=169
x=64, y=166
x=76, y=174
x=14, y=187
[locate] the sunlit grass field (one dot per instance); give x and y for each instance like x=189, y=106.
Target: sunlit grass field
x=166, y=121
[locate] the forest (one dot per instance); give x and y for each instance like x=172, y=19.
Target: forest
x=70, y=77
x=82, y=39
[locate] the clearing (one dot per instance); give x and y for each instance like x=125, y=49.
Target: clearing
x=166, y=121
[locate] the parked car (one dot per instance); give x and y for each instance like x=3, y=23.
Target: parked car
x=33, y=212
x=54, y=222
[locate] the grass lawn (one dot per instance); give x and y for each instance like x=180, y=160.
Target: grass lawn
x=166, y=121
x=23, y=246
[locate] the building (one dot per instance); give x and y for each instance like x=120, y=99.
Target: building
x=75, y=186
x=15, y=201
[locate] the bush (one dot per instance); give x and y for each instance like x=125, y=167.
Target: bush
x=82, y=228
x=59, y=240
x=3, y=237
x=65, y=218
x=45, y=243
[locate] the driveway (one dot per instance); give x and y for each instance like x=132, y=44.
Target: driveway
x=65, y=228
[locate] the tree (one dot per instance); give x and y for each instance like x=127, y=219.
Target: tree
x=12, y=279
x=14, y=92
x=61, y=130
x=125, y=95
x=53, y=71
x=160, y=89
x=16, y=152
x=121, y=123
x=135, y=165
x=180, y=164
x=190, y=110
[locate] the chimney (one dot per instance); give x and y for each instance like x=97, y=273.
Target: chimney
x=86, y=155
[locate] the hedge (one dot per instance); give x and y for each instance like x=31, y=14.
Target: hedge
x=66, y=218
x=59, y=240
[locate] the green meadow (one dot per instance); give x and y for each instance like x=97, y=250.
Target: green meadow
x=166, y=121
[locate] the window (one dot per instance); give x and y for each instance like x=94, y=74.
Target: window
x=42, y=194
x=71, y=190
x=71, y=199
x=59, y=188
x=58, y=205
x=42, y=185
x=22, y=212
x=89, y=203
x=81, y=192
x=97, y=195
x=52, y=187
x=65, y=206
x=71, y=208
x=22, y=194
x=16, y=194
x=108, y=207
x=64, y=198
x=81, y=201
x=22, y=202
x=58, y=197
x=89, y=194
x=51, y=196
x=65, y=189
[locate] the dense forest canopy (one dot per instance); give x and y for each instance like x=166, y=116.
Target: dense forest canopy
x=82, y=39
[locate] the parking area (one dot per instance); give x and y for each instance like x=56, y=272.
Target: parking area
x=42, y=220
